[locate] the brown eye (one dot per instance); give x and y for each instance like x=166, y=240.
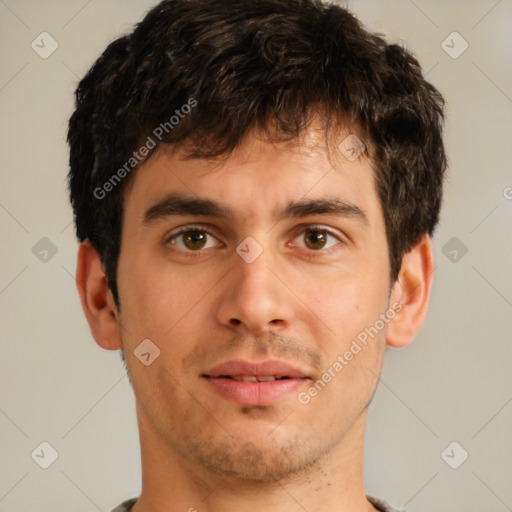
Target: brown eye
x=193, y=240
x=315, y=239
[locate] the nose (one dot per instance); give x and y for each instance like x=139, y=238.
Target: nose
x=255, y=297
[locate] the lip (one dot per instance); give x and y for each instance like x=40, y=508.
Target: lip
x=270, y=367
x=256, y=393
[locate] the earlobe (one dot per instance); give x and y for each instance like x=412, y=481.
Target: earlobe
x=412, y=291
x=96, y=298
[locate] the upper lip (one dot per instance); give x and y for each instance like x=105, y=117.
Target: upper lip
x=273, y=368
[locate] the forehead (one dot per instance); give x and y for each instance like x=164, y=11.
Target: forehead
x=259, y=176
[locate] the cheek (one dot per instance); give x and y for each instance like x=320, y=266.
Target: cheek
x=168, y=306
x=349, y=304
x=355, y=349
x=350, y=307
x=165, y=309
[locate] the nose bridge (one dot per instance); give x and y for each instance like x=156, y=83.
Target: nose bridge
x=255, y=275
x=254, y=281
x=253, y=258
x=255, y=296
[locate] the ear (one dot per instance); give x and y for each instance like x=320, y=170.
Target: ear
x=96, y=298
x=412, y=291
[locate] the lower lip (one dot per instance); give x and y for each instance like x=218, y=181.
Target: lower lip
x=256, y=393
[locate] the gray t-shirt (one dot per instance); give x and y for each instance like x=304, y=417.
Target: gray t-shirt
x=380, y=504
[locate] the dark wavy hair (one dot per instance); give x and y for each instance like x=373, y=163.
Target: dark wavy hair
x=254, y=64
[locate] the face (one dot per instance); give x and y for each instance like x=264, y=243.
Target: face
x=254, y=277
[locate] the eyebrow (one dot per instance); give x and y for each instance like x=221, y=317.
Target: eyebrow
x=178, y=204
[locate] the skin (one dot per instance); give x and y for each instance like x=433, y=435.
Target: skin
x=303, y=300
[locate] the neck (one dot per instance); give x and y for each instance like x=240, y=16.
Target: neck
x=172, y=483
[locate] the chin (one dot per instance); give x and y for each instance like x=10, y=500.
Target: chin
x=256, y=462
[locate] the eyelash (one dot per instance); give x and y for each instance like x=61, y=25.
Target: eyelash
x=202, y=229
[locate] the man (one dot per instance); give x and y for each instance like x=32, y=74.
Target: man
x=255, y=185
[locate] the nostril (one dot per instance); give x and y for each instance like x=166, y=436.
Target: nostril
x=235, y=321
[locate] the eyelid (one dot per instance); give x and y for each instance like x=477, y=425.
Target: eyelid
x=321, y=227
x=189, y=227
x=303, y=228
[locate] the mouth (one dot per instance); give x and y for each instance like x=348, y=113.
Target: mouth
x=255, y=384
x=254, y=378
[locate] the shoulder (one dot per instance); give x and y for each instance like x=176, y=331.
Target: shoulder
x=125, y=506
x=383, y=505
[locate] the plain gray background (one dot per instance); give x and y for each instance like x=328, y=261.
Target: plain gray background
x=453, y=384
